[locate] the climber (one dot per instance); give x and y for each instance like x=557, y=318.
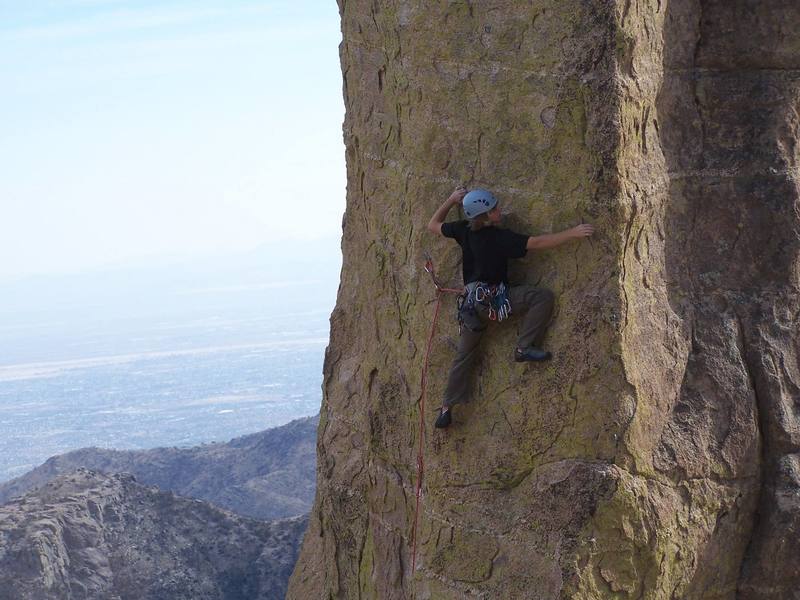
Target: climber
x=485, y=250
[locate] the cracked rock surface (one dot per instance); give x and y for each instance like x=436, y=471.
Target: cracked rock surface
x=658, y=455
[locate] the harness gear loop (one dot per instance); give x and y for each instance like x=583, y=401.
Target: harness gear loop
x=492, y=296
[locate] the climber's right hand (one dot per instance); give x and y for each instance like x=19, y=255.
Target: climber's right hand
x=583, y=230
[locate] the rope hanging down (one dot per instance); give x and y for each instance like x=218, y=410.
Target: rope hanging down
x=420, y=454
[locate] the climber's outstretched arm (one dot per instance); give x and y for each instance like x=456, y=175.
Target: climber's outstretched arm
x=551, y=240
x=435, y=225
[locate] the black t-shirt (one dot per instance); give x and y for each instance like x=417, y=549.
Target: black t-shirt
x=485, y=252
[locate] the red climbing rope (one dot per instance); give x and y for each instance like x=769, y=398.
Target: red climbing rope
x=420, y=452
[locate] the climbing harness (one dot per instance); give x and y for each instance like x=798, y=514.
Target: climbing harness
x=440, y=290
x=496, y=298
x=492, y=296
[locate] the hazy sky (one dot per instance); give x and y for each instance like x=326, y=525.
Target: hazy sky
x=141, y=128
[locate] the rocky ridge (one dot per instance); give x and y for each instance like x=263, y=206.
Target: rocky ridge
x=90, y=535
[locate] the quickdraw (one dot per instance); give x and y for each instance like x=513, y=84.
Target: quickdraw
x=493, y=296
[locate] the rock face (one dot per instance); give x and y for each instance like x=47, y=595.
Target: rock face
x=87, y=535
x=266, y=475
x=658, y=456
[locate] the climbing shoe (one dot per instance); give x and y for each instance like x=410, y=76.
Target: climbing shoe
x=443, y=420
x=531, y=354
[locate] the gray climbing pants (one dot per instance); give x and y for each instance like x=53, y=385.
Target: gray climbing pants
x=539, y=305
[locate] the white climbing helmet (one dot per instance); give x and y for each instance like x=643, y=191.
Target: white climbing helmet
x=478, y=202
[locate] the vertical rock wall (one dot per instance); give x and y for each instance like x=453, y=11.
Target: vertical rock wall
x=656, y=456
x=729, y=131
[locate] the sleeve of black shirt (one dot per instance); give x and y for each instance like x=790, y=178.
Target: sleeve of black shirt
x=515, y=245
x=452, y=229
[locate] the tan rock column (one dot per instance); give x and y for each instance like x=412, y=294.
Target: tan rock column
x=630, y=466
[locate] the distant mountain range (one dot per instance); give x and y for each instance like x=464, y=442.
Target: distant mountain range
x=90, y=535
x=266, y=475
